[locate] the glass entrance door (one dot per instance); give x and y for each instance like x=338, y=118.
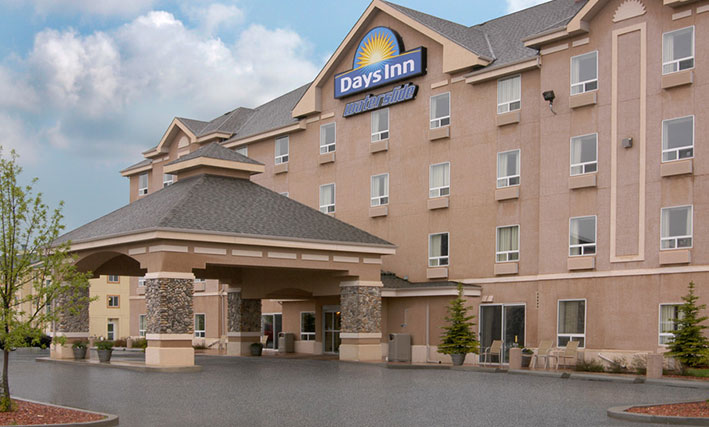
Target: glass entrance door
x=502, y=322
x=271, y=326
x=111, y=329
x=331, y=330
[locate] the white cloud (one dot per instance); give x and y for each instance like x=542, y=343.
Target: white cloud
x=215, y=16
x=515, y=5
x=17, y=93
x=16, y=137
x=121, y=8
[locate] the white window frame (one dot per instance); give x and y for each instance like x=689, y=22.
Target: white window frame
x=507, y=104
x=678, y=149
x=328, y=209
x=675, y=238
x=110, y=277
x=661, y=334
x=243, y=150
x=434, y=262
x=585, y=321
x=167, y=182
x=380, y=135
x=507, y=178
x=437, y=122
x=677, y=61
x=141, y=282
x=507, y=253
x=110, y=298
x=325, y=148
x=583, y=165
x=283, y=158
x=583, y=246
x=200, y=333
x=142, y=319
x=310, y=336
x=442, y=191
x=381, y=200
x=585, y=82
x=142, y=191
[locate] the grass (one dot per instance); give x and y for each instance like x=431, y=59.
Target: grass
x=698, y=372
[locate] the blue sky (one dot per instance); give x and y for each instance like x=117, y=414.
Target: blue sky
x=87, y=85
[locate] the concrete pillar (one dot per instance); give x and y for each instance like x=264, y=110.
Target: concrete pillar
x=515, y=358
x=361, y=331
x=73, y=324
x=654, y=365
x=170, y=319
x=243, y=323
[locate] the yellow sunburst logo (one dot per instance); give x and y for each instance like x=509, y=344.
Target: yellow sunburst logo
x=376, y=47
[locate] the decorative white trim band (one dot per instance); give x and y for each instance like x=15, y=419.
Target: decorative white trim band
x=372, y=260
x=348, y=259
x=580, y=42
x=430, y=292
x=252, y=254
x=137, y=251
x=168, y=337
x=371, y=284
x=231, y=290
x=168, y=248
x=313, y=257
x=327, y=115
x=244, y=334
x=169, y=275
x=210, y=251
x=282, y=255
x=360, y=335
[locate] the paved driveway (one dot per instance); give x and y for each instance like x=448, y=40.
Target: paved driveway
x=281, y=392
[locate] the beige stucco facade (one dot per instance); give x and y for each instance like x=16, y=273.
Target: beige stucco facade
x=102, y=311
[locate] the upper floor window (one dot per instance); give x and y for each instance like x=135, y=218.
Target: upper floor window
x=113, y=278
x=571, y=322
x=584, y=73
x=327, y=198
x=439, y=180
x=507, y=243
x=141, y=281
x=243, y=150
x=168, y=179
x=678, y=50
x=509, y=94
x=438, y=250
x=440, y=110
x=200, y=326
x=380, y=125
x=113, y=301
x=678, y=138
x=584, y=154
x=143, y=184
x=380, y=189
x=307, y=326
x=508, y=168
x=582, y=236
x=676, y=227
x=282, y=148
x=669, y=315
x=327, y=138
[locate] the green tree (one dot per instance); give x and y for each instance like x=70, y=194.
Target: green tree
x=33, y=272
x=689, y=345
x=458, y=337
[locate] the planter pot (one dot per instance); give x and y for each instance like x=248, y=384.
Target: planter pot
x=104, y=356
x=79, y=353
x=458, y=359
x=256, y=350
x=526, y=359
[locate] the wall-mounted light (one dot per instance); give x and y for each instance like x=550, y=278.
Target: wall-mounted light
x=549, y=96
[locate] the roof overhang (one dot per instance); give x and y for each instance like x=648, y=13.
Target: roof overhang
x=206, y=162
x=301, y=125
x=135, y=171
x=579, y=24
x=505, y=70
x=438, y=291
x=213, y=135
x=175, y=126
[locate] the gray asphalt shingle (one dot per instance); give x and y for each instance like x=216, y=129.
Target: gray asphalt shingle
x=216, y=151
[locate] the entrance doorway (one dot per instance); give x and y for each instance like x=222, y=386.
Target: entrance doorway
x=271, y=326
x=502, y=322
x=331, y=329
x=112, y=329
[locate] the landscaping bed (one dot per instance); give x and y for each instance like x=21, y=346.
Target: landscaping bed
x=692, y=409
x=31, y=413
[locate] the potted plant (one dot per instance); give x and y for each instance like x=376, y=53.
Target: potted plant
x=256, y=349
x=79, y=349
x=458, y=338
x=527, y=354
x=104, y=348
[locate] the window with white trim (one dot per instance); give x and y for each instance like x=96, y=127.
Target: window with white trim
x=676, y=227
x=669, y=316
x=582, y=236
x=243, y=150
x=439, y=180
x=141, y=325
x=508, y=168
x=327, y=198
x=113, y=301
x=112, y=278
x=438, y=250
x=282, y=149
x=168, y=179
x=200, y=325
x=380, y=125
x=571, y=322
x=307, y=326
x=584, y=154
x=678, y=138
x=380, y=190
x=327, y=138
x=141, y=281
x=678, y=50
x=143, y=184
x=509, y=94
x=507, y=246
x=285, y=193
x=584, y=73
x=440, y=110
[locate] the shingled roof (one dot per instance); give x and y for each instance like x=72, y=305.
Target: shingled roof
x=216, y=151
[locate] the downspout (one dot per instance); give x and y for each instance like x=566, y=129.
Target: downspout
x=428, y=333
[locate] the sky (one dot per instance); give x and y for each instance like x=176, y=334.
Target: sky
x=87, y=85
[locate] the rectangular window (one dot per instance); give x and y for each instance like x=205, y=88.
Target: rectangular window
x=582, y=236
x=509, y=94
x=285, y=193
x=669, y=315
x=508, y=168
x=282, y=148
x=113, y=301
x=168, y=179
x=439, y=180
x=380, y=125
x=676, y=227
x=141, y=281
x=438, y=250
x=327, y=198
x=200, y=325
x=143, y=184
x=678, y=138
x=584, y=154
x=113, y=278
x=440, y=110
x=307, y=326
x=584, y=73
x=380, y=189
x=678, y=50
x=507, y=243
x=243, y=150
x=572, y=322
x=327, y=138
x=141, y=325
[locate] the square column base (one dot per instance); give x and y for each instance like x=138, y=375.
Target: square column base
x=61, y=352
x=361, y=352
x=169, y=356
x=239, y=343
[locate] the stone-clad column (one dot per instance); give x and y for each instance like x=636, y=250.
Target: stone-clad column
x=361, y=333
x=70, y=323
x=244, y=323
x=170, y=319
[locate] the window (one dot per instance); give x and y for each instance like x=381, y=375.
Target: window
x=572, y=322
x=507, y=243
x=676, y=228
x=199, y=325
x=143, y=184
x=111, y=329
x=327, y=198
x=380, y=189
x=439, y=180
x=582, y=236
x=243, y=150
x=584, y=154
x=440, y=110
x=669, y=315
x=509, y=94
x=285, y=193
x=141, y=325
x=168, y=179
x=380, y=125
x=678, y=50
x=438, y=250
x=282, y=147
x=141, y=281
x=307, y=326
x=678, y=138
x=113, y=301
x=584, y=73
x=113, y=279
x=508, y=168
x=327, y=138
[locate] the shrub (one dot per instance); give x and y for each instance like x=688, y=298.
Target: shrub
x=104, y=345
x=140, y=343
x=459, y=337
x=199, y=346
x=120, y=343
x=591, y=366
x=639, y=364
x=689, y=345
x=79, y=344
x=527, y=351
x=61, y=340
x=618, y=364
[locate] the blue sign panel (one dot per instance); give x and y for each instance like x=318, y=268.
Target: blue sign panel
x=379, y=61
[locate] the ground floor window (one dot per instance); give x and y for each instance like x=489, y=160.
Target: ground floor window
x=141, y=325
x=669, y=314
x=572, y=322
x=199, y=325
x=111, y=329
x=307, y=326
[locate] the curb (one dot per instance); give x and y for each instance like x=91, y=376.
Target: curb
x=109, y=421
x=119, y=365
x=618, y=412
x=704, y=385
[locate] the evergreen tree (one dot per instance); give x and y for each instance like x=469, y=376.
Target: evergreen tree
x=689, y=345
x=458, y=337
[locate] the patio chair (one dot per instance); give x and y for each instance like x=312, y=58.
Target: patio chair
x=570, y=353
x=495, y=349
x=544, y=352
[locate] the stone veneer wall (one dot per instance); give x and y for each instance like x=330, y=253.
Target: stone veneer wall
x=169, y=306
x=244, y=314
x=361, y=309
x=73, y=322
